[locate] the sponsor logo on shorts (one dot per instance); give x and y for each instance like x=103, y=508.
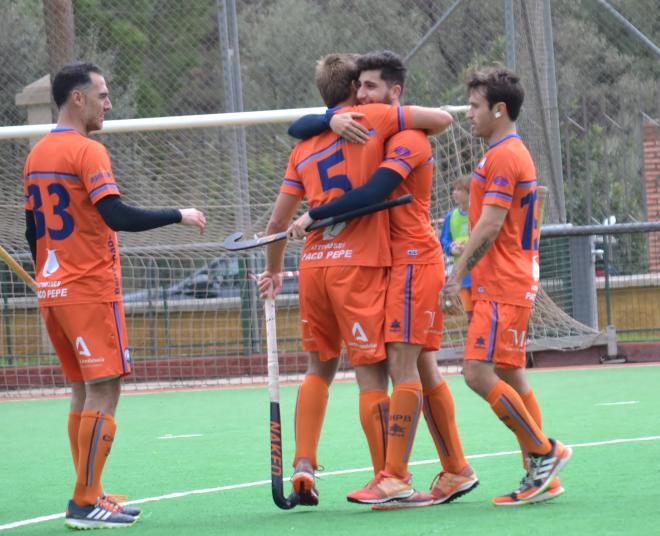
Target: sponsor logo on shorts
x=412, y=253
x=481, y=290
x=92, y=361
x=359, y=333
x=480, y=342
x=395, y=325
x=402, y=151
x=82, y=348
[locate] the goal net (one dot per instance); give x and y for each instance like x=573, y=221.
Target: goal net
x=192, y=311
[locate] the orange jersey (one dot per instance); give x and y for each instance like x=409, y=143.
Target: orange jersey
x=65, y=174
x=509, y=271
x=412, y=236
x=323, y=168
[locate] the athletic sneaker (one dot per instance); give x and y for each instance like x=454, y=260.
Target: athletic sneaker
x=382, y=489
x=304, y=483
x=447, y=487
x=554, y=490
x=542, y=471
x=417, y=500
x=117, y=499
x=102, y=515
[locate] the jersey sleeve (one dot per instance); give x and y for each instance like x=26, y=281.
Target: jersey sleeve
x=96, y=172
x=501, y=176
x=385, y=119
x=406, y=151
x=292, y=183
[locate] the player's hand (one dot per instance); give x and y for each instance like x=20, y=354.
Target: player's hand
x=298, y=228
x=457, y=248
x=346, y=126
x=269, y=283
x=450, y=303
x=192, y=216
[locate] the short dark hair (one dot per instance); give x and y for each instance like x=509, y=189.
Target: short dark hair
x=70, y=77
x=387, y=62
x=335, y=74
x=499, y=85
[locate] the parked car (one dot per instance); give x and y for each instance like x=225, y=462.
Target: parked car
x=220, y=278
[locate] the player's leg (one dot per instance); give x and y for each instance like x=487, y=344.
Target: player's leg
x=374, y=411
x=457, y=476
x=517, y=378
x=321, y=339
x=89, y=340
x=393, y=483
x=496, y=337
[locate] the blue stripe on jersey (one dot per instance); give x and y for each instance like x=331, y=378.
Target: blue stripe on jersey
x=102, y=175
x=52, y=175
x=526, y=184
x=503, y=139
x=478, y=177
x=405, y=165
x=400, y=118
x=62, y=129
x=293, y=184
x=319, y=154
x=500, y=195
x=96, y=191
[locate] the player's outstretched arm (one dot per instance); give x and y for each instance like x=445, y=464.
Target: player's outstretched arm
x=432, y=120
x=342, y=124
x=121, y=217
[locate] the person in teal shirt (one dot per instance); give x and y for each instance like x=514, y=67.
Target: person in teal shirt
x=455, y=232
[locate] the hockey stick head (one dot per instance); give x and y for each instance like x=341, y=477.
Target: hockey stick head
x=234, y=243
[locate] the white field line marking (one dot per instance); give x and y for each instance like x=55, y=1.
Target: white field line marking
x=178, y=494
x=618, y=403
x=170, y=436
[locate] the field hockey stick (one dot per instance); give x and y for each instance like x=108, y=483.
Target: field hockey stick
x=17, y=269
x=234, y=243
x=285, y=503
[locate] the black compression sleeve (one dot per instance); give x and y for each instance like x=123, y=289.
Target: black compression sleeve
x=121, y=217
x=309, y=125
x=31, y=234
x=380, y=185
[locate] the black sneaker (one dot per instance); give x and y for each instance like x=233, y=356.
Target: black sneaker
x=101, y=515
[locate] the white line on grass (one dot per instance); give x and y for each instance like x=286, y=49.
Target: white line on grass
x=618, y=403
x=179, y=494
x=180, y=436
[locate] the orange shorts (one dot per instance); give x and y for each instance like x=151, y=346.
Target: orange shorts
x=412, y=314
x=89, y=339
x=344, y=303
x=465, y=294
x=498, y=334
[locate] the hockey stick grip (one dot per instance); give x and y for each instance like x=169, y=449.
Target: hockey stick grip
x=17, y=269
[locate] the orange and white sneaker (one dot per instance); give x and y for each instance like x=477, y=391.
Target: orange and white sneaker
x=382, y=489
x=555, y=489
x=542, y=471
x=303, y=482
x=447, y=487
x=418, y=499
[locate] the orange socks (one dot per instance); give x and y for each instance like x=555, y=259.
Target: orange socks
x=510, y=408
x=405, y=406
x=310, y=412
x=74, y=426
x=440, y=418
x=95, y=437
x=374, y=406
